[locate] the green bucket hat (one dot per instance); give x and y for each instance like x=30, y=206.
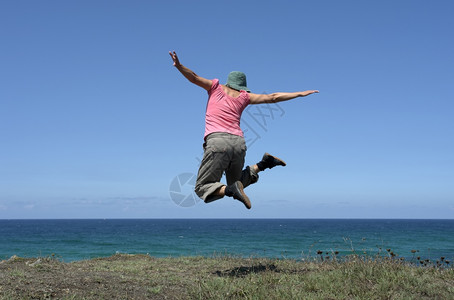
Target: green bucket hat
x=237, y=81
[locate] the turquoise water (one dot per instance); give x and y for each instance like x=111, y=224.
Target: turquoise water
x=72, y=240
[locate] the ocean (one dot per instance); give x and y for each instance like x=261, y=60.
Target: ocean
x=75, y=239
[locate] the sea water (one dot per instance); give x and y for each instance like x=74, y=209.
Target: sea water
x=77, y=239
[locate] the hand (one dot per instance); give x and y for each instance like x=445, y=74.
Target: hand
x=307, y=93
x=176, y=61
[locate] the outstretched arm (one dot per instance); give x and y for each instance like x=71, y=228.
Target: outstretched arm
x=278, y=97
x=190, y=75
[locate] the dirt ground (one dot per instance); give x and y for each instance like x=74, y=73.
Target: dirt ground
x=116, y=277
x=125, y=276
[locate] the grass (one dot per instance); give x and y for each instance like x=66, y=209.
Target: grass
x=224, y=277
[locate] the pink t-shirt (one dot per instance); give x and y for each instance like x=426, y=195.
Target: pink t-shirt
x=223, y=112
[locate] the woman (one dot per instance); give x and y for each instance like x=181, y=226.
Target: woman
x=224, y=147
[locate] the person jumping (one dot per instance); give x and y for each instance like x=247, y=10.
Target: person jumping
x=224, y=145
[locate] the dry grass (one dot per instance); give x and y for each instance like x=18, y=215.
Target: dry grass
x=224, y=277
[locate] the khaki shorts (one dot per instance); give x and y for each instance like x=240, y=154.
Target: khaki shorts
x=223, y=152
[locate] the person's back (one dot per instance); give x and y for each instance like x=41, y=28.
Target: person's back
x=224, y=144
x=224, y=109
x=229, y=91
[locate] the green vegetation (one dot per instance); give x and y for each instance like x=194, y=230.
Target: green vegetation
x=144, y=277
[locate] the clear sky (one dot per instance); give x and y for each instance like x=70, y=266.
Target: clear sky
x=95, y=122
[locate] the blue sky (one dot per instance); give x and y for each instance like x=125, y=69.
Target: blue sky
x=96, y=123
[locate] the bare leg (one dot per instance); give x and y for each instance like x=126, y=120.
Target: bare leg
x=220, y=191
x=256, y=169
x=268, y=161
x=235, y=191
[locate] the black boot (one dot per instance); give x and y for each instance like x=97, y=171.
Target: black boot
x=236, y=191
x=269, y=161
